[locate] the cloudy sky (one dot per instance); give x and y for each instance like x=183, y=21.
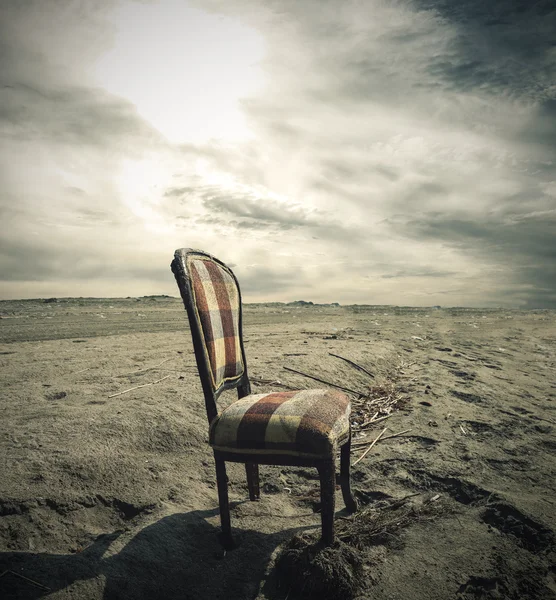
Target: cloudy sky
x=355, y=151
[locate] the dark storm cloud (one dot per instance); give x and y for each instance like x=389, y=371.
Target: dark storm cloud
x=541, y=129
x=28, y=260
x=255, y=209
x=246, y=212
x=523, y=244
x=69, y=115
x=368, y=51
x=503, y=47
x=498, y=47
x=418, y=273
x=43, y=102
x=507, y=49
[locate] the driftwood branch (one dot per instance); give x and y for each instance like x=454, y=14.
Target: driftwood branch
x=139, y=386
x=370, y=447
x=373, y=421
x=353, y=364
x=388, y=437
x=345, y=389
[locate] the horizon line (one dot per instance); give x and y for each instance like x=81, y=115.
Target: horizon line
x=298, y=303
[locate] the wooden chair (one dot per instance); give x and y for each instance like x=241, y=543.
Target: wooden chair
x=293, y=428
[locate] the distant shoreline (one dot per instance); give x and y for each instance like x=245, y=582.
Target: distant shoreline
x=271, y=304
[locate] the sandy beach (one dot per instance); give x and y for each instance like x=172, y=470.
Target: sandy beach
x=107, y=493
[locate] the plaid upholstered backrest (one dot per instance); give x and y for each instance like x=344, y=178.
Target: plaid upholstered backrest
x=214, y=303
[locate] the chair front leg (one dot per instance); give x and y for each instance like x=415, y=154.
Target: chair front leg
x=345, y=458
x=327, y=473
x=252, y=472
x=222, y=483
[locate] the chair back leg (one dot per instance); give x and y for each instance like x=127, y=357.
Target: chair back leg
x=345, y=458
x=327, y=474
x=222, y=483
x=252, y=472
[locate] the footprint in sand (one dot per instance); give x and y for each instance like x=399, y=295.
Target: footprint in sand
x=527, y=533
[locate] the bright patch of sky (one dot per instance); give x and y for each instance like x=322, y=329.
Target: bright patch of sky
x=185, y=70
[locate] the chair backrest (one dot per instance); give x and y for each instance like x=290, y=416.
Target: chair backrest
x=212, y=298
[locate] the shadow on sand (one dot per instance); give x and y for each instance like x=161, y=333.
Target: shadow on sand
x=177, y=557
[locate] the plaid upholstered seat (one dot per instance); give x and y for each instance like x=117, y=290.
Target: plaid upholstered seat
x=302, y=423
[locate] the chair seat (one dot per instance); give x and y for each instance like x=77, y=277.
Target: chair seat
x=309, y=423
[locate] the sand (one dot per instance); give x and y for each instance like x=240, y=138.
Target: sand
x=115, y=497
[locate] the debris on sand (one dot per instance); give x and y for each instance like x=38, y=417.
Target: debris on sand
x=313, y=570
x=378, y=524
x=56, y=395
x=378, y=403
x=370, y=406
x=139, y=386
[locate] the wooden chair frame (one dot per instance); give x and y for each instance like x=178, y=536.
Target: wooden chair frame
x=326, y=466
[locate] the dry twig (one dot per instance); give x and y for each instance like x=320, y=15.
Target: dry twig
x=373, y=421
x=388, y=437
x=139, y=386
x=345, y=389
x=370, y=447
x=371, y=525
x=353, y=364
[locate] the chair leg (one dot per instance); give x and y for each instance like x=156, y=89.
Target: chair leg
x=252, y=471
x=327, y=473
x=345, y=457
x=222, y=483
